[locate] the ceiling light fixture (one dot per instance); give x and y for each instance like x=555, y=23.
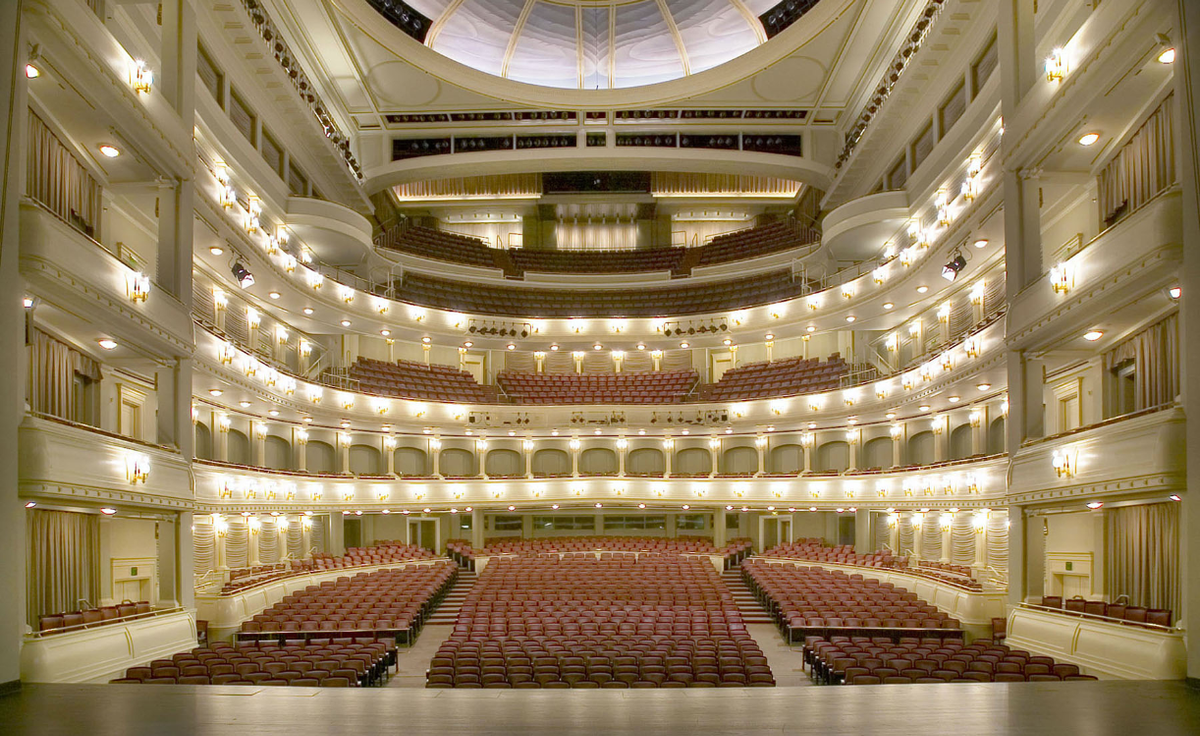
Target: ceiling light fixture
x=274, y=294
x=1093, y=335
x=1088, y=139
x=1166, y=57
x=307, y=310
x=981, y=243
x=922, y=289
x=107, y=511
x=32, y=72
x=217, y=250
x=983, y=386
x=107, y=343
x=345, y=323
x=888, y=305
x=109, y=150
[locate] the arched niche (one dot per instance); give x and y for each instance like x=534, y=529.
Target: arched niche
x=503, y=461
x=921, y=448
x=237, y=447
x=877, y=453
x=277, y=453
x=597, y=460
x=551, y=461
x=365, y=460
x=833, y=456
x=995, y=443
x=410, y=461
x=456, y=461
x=203, y=446
x=319, y=457
x=692, y=460
x=961, y=442
x=645, y=460
x=786, y=459
x=740, y=460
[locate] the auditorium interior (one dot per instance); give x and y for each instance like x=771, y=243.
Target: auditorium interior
x=372, y=360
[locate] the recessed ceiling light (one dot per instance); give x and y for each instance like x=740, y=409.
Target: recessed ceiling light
x=850, y=318
x=924, y=407
x=110, y=151
x=954, y=399
x=597, y=346
x=811, y=328
x=426, y=339
x=922, y=289
x=215, y=392
x=769, y=336
x=274, y=294
x=981, y=243
x=308, y=310
x=888, y=305
x=32, y=72
x=890, y=415
x=385, y=333
x=1093, y=505
x=345, y=323
x=217, y=250
x=1093, y=335
x=27, y=302
x=1173, y=497
x=107, y=511
x=273, y=412
x=308, y=420
x=1175, y=292
x=468, y=344
x=1166, y=57
x=1088, y=139
x=244, y=404
x=554, y=348
x=30, y=504
x=510, y=346
x=983, y=386
x=107, y=343
x=684, y=345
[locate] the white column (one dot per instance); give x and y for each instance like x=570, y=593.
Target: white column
x=947, y=540
x=897, y=446
x=477, y=530
x=258, y=444
x=719, y=527
x=435, y=452
x=575, y=445
x=760, y=444
x=252, y=551
x=668, y=455
x=185, y=552
x=527, y=445
x=389, y=451
x=335, y=540
x=300, y=448
x=1016, y=555
x=863, y=541
x=342, y=447
x=980, y=543
x=917, y=533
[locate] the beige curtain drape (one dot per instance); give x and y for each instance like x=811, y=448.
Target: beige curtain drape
x=237, y=544
x=268, y=543
x=204, y=541
x=1144, y=167
x=962, y=540
x=317, y=535
x=997, y=541
x=295, y=538
x=1155, y=354
x=906, y=536
x=62, y=562
x=882, y=532
x=931, y=538
x=56, y=179
x=1143, y=555
x=52, y=368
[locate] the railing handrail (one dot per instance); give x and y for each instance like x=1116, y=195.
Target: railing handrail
x=108, y=622
x=1104, y=619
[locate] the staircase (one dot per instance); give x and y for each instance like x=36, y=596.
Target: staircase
x=447, y=612
x=752, y=612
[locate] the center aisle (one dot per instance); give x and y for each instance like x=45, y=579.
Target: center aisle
x=786, y=663
x=413, y=662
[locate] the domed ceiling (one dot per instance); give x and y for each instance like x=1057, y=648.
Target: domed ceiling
x=593, y=44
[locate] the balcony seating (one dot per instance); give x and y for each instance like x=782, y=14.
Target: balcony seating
x=381, y=552
x=650, y=302
x=346, y=661
x=581, y=621
x=564, y=545
x=438, y=244
x=665, y=387
x=418, y=381
x=384, y=603
x=814, y=549
x=754, y=242
x=813, y=601
x=627, y=261
x=785, y=377
x=1124, y=612
x=865, y=660
x=57, y=623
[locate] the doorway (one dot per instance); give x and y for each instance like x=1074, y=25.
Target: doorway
x=424, y=533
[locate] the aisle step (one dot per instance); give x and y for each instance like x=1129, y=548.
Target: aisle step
x=447, y=612
x=752, y=611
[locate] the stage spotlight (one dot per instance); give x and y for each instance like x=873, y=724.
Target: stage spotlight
x=951, y=270
x=244, y=278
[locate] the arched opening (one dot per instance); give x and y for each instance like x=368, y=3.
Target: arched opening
x=365, y=460
x=996, y=437
x=833, y=456
x=597, y=461
x=920, y=448
x=202, y=448
x=237, y=447
x=645, y=461
x=319, y=457
x=786, y=459
x=277, y=453
x=504, y=462
x=410, y=461
x=961, y=442
x=457, y=462
x=877, y=453
x=551, y=461
x=740, y=460
x=692, y=461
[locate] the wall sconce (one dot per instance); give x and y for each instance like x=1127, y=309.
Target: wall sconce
x=814, y=404
x=260, y=430
x=879, y=275
x=908, y=256
x=315, y=279
x=896, y=431
x=140, y=77
x=972, y=483
x=1062, y=278
x=760, y=441
x=382, y=495
x=253, y=212
x=255, y=524
x=281, y=334
x=976, y=417
x=137, y=468
x=380, y=406
x=223, y=422
x=250, y=493
x=943, y=208
x=668, y=443
x=971, y=185
x=435, y=444
x=317, y=495
x=225, y=353
x=347, y=495
x=346, y=401
x=1064, y=462
x=481, y=444
x=973, y=347
x=137, y=287
x=343, y=440
x=918, y=234
x=917, y=519
x=945, y=520
x=714, y=443
x=977, y=292
x=346, y=294
x=849, y=397
x=943, y=312
x=938, y=424
x=1056, y=65
x=288, y=384
x=947, y=361
x=806, y=439
x=852, y=436
x=389, y=442
x=574, y=444
x=271, y=494
x=979, y=520
x=529, y=444
x=847, y=292
x=622, y=443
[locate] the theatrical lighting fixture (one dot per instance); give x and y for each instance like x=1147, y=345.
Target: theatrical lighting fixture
x=951, y=270
x=244, y=278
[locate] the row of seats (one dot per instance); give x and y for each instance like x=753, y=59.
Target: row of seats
x=378, y=554
x=582, y=621
x=612, y=261
x=808, y=600
x=766, y=288
x=863, y=660
x=343, y=662
x=754, y=242
x=814, y=549
x=666, y=387
x=1122, y=611
x=784, y=377
x=56, y=623
x=439, y=245
x=395, y=602
x=419, y=381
